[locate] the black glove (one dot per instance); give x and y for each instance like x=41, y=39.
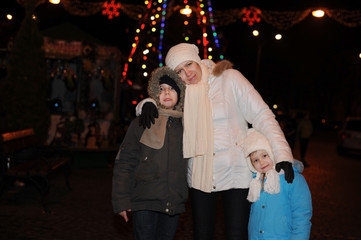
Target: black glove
x=287, y=167
x=149, y=113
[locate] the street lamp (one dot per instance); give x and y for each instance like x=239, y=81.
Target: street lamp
x=318, y=13
x=54, y=1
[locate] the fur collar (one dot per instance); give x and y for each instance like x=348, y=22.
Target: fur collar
x=221, y=66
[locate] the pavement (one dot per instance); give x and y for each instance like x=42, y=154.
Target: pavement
x=85, y=212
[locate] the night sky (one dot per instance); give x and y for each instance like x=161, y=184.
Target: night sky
x=314, y=67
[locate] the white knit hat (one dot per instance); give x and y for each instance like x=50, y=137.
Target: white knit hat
x=180, y=53
x=255, y=141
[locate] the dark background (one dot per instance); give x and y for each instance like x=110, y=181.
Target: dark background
x=315, y=67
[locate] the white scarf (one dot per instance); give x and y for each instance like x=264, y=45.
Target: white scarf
x=271, y=185
x=198, y=140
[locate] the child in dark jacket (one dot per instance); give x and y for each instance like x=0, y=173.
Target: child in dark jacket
x=149, y=176
x=279, y=210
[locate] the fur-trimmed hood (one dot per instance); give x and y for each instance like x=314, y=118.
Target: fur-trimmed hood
x=154, y=90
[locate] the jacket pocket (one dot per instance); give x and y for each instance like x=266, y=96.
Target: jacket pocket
x=147, y=170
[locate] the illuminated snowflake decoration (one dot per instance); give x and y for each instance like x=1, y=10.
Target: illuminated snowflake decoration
x=251, y=15
x=111, y=9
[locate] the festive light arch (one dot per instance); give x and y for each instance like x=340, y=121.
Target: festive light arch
x=279, y=19
x=207, y=18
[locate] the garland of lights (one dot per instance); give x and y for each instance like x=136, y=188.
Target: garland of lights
x=279, y=19
x=214, y=33
x=161, y=33
x=134, y=46
x=186, y=22
x=203, y=21
x=284, y=20
x=349, y=18
x=226, y=17
x=132, y=11
x=77, y=7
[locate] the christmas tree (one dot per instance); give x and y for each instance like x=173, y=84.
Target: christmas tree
x=24, y=95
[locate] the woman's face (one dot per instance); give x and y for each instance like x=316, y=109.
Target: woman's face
x=168, y=96
x=189, y=71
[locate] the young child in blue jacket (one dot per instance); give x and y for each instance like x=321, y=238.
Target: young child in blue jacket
x=279, y=210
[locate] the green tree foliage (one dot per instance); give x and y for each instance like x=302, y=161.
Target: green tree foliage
x=25, y=89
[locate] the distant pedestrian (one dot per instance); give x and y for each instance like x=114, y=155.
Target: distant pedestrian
x=304, y=133
x=279, y=210
x=149, y=176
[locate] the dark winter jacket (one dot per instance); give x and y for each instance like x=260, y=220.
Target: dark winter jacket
x=146, y=178
x=151, y=179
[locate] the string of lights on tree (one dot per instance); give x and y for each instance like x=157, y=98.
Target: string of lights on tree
x=150, y=34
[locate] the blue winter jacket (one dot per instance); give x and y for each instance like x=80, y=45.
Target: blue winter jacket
x=286, y=215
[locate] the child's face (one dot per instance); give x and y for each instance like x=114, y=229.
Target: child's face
x=261, y=161
x=168, y=96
